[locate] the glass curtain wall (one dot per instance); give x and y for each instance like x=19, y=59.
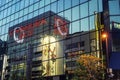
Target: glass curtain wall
x=81, y=18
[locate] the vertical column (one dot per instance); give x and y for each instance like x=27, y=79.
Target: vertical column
x=107, y=26
x=29, y=62
x=107, y=30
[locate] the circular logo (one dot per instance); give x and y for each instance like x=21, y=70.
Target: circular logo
x=61, y=27
x=18, y=35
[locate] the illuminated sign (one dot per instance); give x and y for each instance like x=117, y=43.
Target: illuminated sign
x=19, y=36
x=19, y=33
x=61, y=26
x=49, y=55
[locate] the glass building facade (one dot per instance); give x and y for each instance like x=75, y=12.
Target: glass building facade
x=42, y=35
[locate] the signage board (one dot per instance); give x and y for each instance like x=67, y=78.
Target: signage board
x=20, y=32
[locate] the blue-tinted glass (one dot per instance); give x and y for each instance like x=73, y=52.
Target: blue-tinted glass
x=31, y=1
x=92, y=23
x=47, y=8
x=31, y=8
x=60, y=5
x=20, y=20
x=115, y=19
x=8, y=19
x=68, y=14
x=2, y=31
x=5, y=13
x=75, y=13
x=0, y=23
x=36, y=6
x=54, y=7
x=13, y=9
x=84, y=10
x=16, y=15
x=47, y=2
x=75, y=27
x=12, y=17
x=16, y=22
x=25, y=18
x=114, y=7
x=81, y=1
x=41, y=10
x=93, y=6
x=53, y=0
x=1, y=14
x=11, y=23
x=4, y=21
x=61, y=14
x=75, y=2
x=25, y=11
x=26, y=3
x=84, y=24
x=7, y=27
x=30, y=16
x=35, y=1
x=100, y=5
x=22, y=4
x=9, y=11
x=21, y=13
x=35, y=13
x=67, y=4
x=41, y=3
x=17, y=7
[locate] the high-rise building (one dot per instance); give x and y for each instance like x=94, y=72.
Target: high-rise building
x=32, y=53
x=3, y=59
x=44, y=36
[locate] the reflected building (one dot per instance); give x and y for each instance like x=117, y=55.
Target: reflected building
x=35, y=47
x=3, y=59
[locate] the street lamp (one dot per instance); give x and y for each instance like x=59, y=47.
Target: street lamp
x=109, y=70
x=104, y=38
x=104, y=35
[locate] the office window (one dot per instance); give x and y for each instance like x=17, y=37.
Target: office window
x=93, y=6
x=60, y=5
x=84, y=24
x=54, y=7
x=75, y=2
x=68, y=14
x=114, y=7
x=67, y=4
x=84, y=10
x=74, y=11
x=75, y=26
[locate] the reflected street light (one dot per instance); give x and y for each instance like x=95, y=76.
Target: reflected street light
x=105, y=38
x=109, y=70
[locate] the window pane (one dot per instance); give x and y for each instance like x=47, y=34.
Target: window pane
x=84, y=24
x=84, y=10
x=75, y=2
x=114, y=7
x=75, y=13
x=54, y=7
x=60, y=5
x=92, y=23
x=75, y=27
x=67, y=4
x=68, y=14
x=93, y=6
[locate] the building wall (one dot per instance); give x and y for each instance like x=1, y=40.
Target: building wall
x=81, y=19
x=3, y=59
